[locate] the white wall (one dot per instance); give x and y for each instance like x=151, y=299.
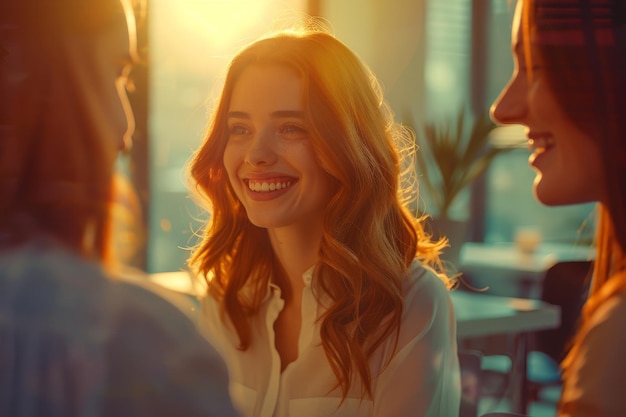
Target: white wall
x=389, y=37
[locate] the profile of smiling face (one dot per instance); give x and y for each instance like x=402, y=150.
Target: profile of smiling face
x=270, y=161
x=568, y=161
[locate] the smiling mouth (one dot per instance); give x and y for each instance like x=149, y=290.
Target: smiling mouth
x=268, y=186
x=540, y=143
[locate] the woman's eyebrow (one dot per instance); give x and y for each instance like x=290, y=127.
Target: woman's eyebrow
x=238, y=115
x=275, y=115
x=288, y=113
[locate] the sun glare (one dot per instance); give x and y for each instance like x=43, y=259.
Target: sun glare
x=224, y=23
x=206, y=33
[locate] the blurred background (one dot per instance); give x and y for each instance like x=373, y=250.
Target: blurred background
x=434, y=58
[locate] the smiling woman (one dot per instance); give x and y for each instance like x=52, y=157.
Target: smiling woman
x=266, y=125
x=322, y=296
x=568, y=89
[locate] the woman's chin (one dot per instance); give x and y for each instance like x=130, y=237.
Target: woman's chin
x=558, y=194
x=544, y=192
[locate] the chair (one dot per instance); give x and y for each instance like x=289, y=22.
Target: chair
x=565, y=284
x=471, y=382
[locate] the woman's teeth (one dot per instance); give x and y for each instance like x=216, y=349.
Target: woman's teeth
x=544, y=142
x=267, y=186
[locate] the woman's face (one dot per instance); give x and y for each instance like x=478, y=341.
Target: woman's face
x=269, y=158
x=128, y=58
x=103, y=62
x=567, y=161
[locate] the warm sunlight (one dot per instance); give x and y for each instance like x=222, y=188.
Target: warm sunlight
x=215, y=28
x=221, y=22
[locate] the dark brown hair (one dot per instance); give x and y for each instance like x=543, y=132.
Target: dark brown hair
x=55, y=177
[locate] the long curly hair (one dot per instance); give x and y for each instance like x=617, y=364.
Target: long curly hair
x=369, y=237
x=582, y=46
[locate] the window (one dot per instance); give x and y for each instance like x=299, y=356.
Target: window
x=191, y=42
x=432, y=57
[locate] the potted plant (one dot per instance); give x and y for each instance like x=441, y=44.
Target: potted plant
x=451, y=156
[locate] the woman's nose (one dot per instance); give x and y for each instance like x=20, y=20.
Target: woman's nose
x=261, y=150
x=126, y=141
x=510, y=106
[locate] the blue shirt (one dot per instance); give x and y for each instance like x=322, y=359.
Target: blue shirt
x=75, y=342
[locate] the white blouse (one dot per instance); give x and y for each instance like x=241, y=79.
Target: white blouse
x=421, y=380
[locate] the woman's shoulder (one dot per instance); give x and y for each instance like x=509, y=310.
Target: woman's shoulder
x=423, y=283
x=427, y=299
x=57, y=302
x=44, y=281
x=56, y=288
x=138, y=285
x=428, y=315
x=604, y=337
x=609, y=319
x=596, y=375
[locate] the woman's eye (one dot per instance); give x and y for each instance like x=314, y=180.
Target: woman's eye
x=293, y=131
x=238, y=130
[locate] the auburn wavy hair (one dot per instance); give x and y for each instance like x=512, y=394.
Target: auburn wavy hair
x=582, y=47
x=369, y=237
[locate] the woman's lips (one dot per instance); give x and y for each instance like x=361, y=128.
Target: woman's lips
x=268, y=188
x=540, y=142
x=263, y=186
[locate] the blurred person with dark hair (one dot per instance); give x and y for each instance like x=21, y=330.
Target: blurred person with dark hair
x=75, y=340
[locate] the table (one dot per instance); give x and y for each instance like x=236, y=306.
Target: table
x=478, y=314
x=179, y=281
x=507, y=271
